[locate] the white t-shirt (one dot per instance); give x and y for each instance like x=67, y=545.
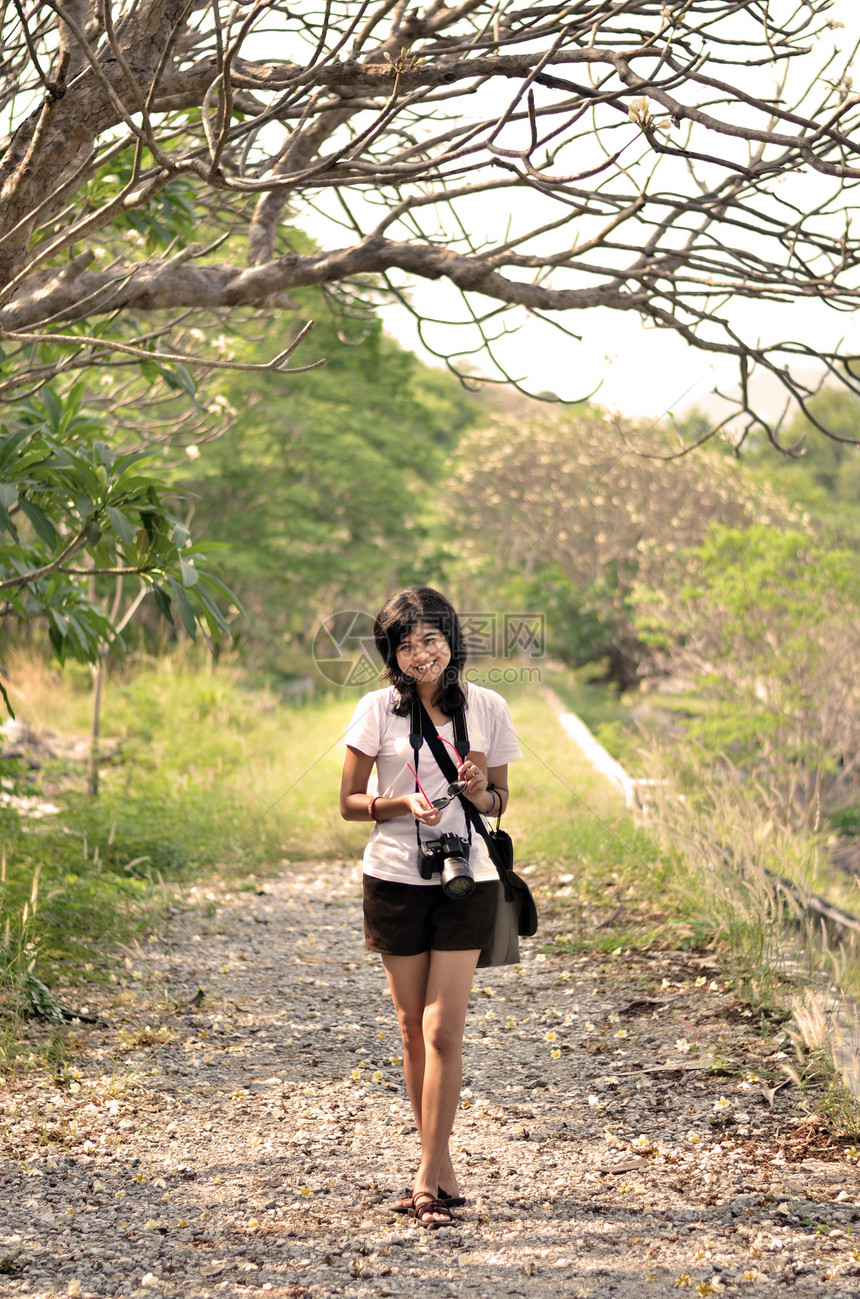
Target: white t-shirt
x=392, y=850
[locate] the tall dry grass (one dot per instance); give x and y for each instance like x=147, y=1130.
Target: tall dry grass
x=782, y=914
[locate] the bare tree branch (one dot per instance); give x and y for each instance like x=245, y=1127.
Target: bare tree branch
x=665, y=159
x=100, y=345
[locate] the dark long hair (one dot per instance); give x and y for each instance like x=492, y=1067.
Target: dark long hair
x=396, y=619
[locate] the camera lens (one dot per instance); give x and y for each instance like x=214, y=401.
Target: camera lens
x=457, y=878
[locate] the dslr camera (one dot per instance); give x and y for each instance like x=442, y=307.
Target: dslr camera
x=450, y=855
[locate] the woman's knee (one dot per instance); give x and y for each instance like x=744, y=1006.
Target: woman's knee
x=411, y=1029
x=442, y=1037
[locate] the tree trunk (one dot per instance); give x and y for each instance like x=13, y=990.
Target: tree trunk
x=98, y=674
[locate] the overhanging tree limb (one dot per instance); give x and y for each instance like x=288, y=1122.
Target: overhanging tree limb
x=660, y=158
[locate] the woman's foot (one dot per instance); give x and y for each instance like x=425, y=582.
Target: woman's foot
x=430, y=1211
x=448, y=1179
x=405, y=1205
x=448, y=1188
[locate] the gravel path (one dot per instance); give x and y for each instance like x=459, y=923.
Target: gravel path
x=616, y=1137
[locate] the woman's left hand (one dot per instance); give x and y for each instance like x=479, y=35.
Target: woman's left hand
x=475, y=778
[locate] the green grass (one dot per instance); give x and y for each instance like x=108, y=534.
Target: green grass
x=606, y=713
x=562, y=810
x=209, y=778
x=206, y=777
x=703, y=875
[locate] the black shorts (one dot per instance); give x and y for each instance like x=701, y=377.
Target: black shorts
x=407, y=919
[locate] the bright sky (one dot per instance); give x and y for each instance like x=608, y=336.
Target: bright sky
x=640, y=371
x=636, y=369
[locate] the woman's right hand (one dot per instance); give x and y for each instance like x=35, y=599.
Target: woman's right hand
x=423, y=811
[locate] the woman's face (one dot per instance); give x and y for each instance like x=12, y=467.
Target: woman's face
x=423, y=654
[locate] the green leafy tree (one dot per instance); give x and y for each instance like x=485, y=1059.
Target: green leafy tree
x=570, y=518
x=74, y=510
x=767, y=624
x=823, y=474
x=160, y=158
x=326, y=486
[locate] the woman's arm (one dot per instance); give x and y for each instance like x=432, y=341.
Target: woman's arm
x=355, y=801
x=479, y=777
x=498, y=778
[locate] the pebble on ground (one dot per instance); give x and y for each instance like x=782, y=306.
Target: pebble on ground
x=618, y=1132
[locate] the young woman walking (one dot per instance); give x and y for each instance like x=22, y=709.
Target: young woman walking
x=429, y=937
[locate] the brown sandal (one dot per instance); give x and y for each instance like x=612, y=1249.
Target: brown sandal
x=404, y=1204
x=424, y=1204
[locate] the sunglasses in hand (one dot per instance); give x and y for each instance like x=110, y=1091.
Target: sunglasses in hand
x=456, y=787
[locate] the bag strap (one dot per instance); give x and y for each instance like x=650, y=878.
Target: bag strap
x=423, y=728
x=493, y=790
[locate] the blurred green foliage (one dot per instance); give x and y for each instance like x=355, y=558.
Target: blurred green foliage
x=754, y=615
x=72, y=508
x=327, y=483
x=573, y=516
x=823, y=476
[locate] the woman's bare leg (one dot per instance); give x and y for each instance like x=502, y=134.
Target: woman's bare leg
x=431, y=995
x=448, y=986
x=407, y=982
